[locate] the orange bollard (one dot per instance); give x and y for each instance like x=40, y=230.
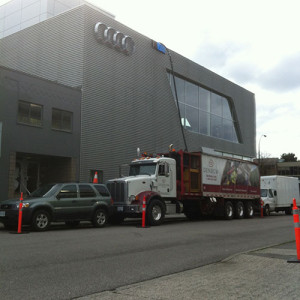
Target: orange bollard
x=20, y=214
x=144, y=213
x=297, y=231
x=261, y=208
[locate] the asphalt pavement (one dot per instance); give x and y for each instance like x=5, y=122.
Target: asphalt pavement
x=258, y=274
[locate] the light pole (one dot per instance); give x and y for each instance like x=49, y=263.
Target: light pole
x=263, y=135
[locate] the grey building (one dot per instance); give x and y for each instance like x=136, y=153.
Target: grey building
x=39, y=132
x=128, y=96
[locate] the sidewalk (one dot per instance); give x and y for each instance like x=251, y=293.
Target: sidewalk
x=259, y=274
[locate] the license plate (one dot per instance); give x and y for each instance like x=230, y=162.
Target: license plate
x=120, y=208
x=2, y=213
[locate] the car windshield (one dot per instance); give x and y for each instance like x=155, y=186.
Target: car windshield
x=263, y=193
x=42, y=191
x=142, y=169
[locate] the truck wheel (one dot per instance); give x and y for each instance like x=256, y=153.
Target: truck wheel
x=249, y=211
x=99, y=218
x=228, y=210
x=41, y=220
x=267, y=210
x=155, y=212
x=239, y=210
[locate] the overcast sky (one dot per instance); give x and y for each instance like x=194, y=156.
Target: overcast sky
x=255, y=44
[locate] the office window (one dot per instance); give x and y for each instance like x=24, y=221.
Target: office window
x=62, y=120
x=203, y=111
x=30, y=113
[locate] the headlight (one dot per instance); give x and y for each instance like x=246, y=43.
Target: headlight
x=24, y=205
x=131, y=198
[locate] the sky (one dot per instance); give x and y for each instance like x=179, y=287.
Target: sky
x=255, y=44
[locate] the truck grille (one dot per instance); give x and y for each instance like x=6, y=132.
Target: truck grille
x=117, y=190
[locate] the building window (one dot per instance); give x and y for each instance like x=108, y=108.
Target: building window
x=203, y=111
x=30, y=113
x=62, y=120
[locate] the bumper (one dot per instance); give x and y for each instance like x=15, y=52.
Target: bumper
x=128, y=210
x=12, y=216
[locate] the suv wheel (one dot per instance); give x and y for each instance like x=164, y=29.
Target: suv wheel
x=41, y=220
x=99, y=218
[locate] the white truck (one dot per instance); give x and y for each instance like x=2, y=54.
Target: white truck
x=194, y=183
x=278, y=192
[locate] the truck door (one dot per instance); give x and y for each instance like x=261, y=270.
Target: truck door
x=272, y=199
x=163, y=178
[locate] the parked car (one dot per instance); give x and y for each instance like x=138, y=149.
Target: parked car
x=67, y=202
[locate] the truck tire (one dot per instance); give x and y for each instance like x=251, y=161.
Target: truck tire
x=267, y=210
x=155, y=212
x=239, y=210
x=249, y=210
x=228, y=210
x=99, y=218
x=41, y=220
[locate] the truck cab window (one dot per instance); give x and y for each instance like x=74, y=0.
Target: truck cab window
x=271, y=194
x=163, y=169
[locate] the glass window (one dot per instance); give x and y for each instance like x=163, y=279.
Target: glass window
x=216, y=126
x=68, y=191
x=216, y=104
x=102, y=190
x=204, y=123
x=192, y=118
x=204, y=99
x=191, y=94
x=86, y=191
x=30, y=113
x=205, y=112
x=180, y=89
x=62, y=120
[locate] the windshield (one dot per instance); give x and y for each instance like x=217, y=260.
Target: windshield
x=41, y=191
x=138, y=169
x=264, y=193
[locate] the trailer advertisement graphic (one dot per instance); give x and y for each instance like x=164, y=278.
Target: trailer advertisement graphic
x=220, y=175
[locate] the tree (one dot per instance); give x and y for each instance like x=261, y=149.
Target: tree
x=288, y=157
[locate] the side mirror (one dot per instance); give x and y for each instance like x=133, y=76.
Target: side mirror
x=275, y=193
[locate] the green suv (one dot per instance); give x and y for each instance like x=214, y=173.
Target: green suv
x=67, y=202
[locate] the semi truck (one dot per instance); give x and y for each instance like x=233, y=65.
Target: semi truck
x=278, y=192
x=194, y=183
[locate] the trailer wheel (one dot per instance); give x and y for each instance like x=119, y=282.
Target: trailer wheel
x=155, y=212
x=267, y=210
x=228, y=210
x=239, y=210
x=249, y=211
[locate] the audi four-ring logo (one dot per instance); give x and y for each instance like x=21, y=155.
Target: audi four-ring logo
x=113, y=38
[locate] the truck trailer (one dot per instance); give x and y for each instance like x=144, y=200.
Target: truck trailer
x=194, y=183
x=278, y=192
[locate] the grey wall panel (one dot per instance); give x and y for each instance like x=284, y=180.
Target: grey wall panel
x=52, y=49
x=127, y=103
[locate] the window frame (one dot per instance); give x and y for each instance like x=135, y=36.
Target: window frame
x=63, y=113
x=23, y=121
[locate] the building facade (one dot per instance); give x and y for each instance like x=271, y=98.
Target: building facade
x=40, y=132
x=134, y=91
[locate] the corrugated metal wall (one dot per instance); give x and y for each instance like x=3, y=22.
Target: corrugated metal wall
x=126, y=100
